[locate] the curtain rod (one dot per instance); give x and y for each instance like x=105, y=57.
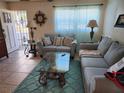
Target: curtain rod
x=78, y=5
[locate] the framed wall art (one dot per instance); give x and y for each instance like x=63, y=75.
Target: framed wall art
x=120, y=21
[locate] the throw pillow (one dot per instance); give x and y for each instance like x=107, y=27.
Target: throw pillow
x=116, y=73
x=58, y=41
x=114, y=54
x=117, y=66
x=67, y=41
x=47, y=41
x=51, y=36
x=104, y=45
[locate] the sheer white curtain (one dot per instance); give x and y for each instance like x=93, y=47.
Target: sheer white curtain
x=75, y=19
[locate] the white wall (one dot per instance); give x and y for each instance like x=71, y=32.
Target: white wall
x=47, y=8
x=114, y=8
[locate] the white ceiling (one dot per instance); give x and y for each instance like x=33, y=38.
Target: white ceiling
x=19, y=0
x=10, y=0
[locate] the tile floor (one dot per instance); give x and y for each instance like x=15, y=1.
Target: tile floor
x=14, y=69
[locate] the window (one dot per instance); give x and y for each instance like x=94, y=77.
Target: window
x=75, y=19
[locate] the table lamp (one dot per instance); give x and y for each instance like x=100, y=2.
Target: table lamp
x=32, y=25
x=92, y=24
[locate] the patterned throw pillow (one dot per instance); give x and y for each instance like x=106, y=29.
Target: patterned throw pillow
x=58, y=41
x=114, y=54
x=47, y=41
x=104, y=45
x=117, y=66
x=67, y=41
x=116, y=73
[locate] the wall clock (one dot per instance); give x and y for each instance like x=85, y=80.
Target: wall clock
x=40, y=18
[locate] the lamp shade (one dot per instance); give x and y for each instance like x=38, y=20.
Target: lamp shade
x=31, y=24
x=92, y=23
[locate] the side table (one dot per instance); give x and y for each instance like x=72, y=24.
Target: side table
x=30, y=47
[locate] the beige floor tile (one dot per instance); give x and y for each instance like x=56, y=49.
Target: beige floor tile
x=26, y=68
x=10, y=60
x=2, y=66
x=4, y=76
x=31, y=62
x=14, y=69
x=7, y=88
x=15, y=78
x=11, y=67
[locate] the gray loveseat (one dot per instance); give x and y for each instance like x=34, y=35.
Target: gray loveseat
x=95, y=65
x=69, y=47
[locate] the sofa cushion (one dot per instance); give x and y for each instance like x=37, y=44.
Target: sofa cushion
x=57, y=48
x=117, y=66
x=67, y=41
x=104, y=45
x=49, y=48
x=89, y=53
x=89, y=74
x=58, y=41
x=114, y=54
x=63, y=48
x=93, y=62
x=47, y=41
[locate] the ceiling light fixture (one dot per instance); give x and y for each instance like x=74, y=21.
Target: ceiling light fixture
x=50, y=0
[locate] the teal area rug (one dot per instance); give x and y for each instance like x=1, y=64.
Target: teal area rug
x=74, y=82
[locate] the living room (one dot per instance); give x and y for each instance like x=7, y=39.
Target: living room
x=106, y=14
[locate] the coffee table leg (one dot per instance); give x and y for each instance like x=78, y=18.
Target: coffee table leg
x=61, y=79
x=43, y=78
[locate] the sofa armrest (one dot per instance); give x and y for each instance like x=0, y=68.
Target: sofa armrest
x=73, y=49
x=89, y=46
x=103, y=85
x=40, y=47
x=74, y=42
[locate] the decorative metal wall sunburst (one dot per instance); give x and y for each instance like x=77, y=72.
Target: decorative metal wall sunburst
x=40, y=18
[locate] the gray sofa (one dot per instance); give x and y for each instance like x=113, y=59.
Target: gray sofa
x=71, y=47
x=94, y=67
